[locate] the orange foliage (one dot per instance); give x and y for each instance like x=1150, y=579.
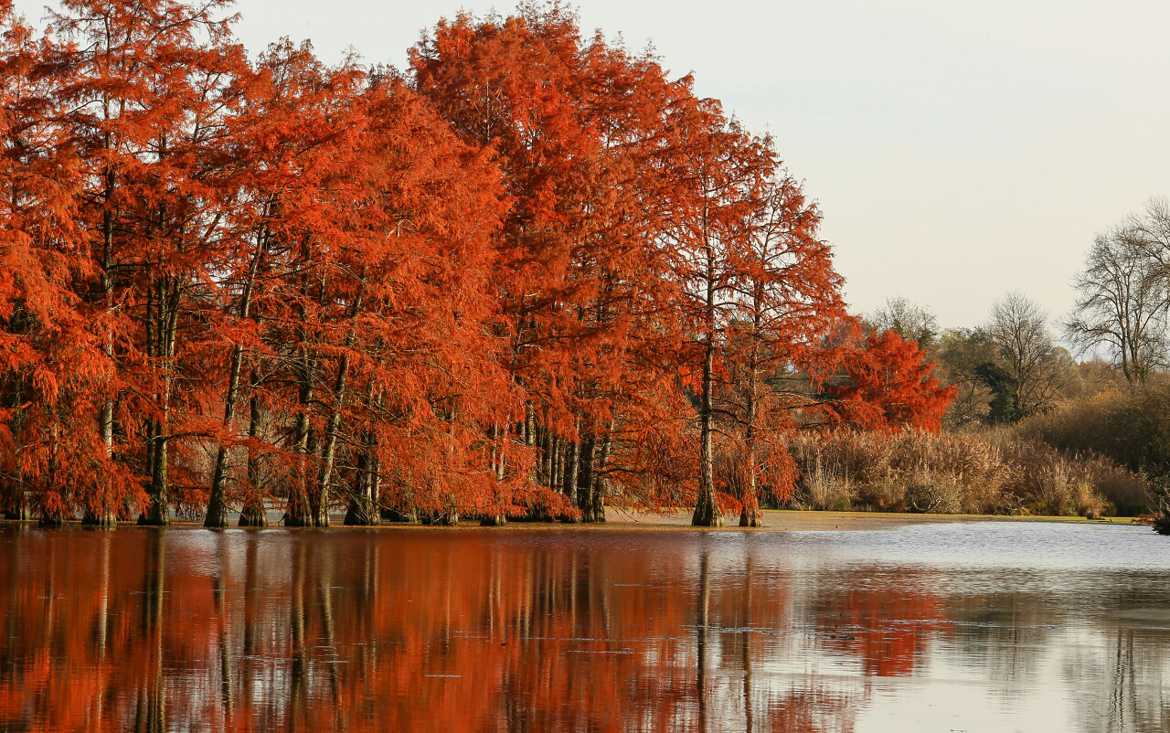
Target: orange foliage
x=529, y=276
x=888, y=384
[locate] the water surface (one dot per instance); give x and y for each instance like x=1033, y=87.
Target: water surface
x=942, y=627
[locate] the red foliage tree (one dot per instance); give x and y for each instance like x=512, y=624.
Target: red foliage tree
x=49, y=363
x=578, y=130
x=887, y=384
x=149, y=88
x=531, y=275
x=788, y=296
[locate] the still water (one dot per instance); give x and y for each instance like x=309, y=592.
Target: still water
x=948, y=627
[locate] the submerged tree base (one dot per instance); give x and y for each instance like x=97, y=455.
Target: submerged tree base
x=750, y=519
x=216, y=518
x=397, y=517
x=593, y=517
x=21, y=514
x=253, y=516
x=446, y=519
x=103, y=520
x=360, y=515
x=706, y=515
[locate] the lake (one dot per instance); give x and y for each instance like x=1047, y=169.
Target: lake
x=984, y=626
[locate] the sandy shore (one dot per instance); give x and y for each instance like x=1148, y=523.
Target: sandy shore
x=796, y=521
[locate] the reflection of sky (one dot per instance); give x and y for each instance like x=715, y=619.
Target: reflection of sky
x=1037, y=622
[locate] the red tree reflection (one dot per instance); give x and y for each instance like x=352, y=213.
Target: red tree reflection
x=887, y=624
x=392, y=630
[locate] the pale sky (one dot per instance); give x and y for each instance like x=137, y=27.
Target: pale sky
x=958, y=149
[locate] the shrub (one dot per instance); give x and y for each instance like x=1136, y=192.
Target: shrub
x=1160, y=499
x=1130, y=426
x=1127, y=491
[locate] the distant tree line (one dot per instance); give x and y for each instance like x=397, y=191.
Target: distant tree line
x=1002, y=371
x=1108, y=393
x=1011, y=367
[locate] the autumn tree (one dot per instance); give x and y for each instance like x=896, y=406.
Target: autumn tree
x=786, y=298
x=531, y=275
x=719, y=177
x=421, y=353
x=578, y=132
x=513, y=85
x=886, y=383
x=910, y=320
x=150, y=90
x=967, y=358
x=50, y=366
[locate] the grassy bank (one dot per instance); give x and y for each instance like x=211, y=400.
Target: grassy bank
x=799, y=520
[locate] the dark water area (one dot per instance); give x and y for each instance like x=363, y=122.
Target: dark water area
x=950, y=627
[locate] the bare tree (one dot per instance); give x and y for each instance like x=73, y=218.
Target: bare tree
x=1121, y=303
x=1020, y=332
x=962, y=352
x=909, y=320
x=1151, y=228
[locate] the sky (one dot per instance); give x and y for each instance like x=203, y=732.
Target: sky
x=958, y=149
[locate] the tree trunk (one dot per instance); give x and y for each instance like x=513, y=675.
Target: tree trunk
x=158, y=511
x=297, y=513
x=584, y=498
x=600, y=481
x=750, y=513
x=297, y=510
x=363, y=503
x=409, y=516
x=501, y=467
x=572, y=462
x=216, y=515
x=253, y=512
x=216, y=505
x=17, y=508
x=103, y=514
x=706, y=513
x=319, y=502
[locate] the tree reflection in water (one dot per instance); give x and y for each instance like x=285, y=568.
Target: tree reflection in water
x=528, y=630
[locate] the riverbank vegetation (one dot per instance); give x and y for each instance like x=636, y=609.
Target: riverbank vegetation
x=529, y=275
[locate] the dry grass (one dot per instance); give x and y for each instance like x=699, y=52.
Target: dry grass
x=991, y=472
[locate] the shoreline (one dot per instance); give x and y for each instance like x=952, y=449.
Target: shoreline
x=775, y=520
